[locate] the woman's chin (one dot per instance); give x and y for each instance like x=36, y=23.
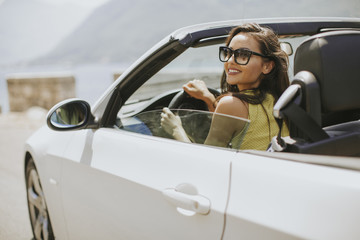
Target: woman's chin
x=231, y=82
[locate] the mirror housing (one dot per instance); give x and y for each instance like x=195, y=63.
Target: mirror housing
x=287, y=48
x=71, y=114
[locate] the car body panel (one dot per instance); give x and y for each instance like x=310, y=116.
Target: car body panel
x=47, y=158
x=295, y=199
x=128, y=186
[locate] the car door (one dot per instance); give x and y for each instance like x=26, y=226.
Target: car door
x=276, y=197
x=118, y=184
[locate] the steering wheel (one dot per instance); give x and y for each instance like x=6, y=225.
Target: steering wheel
x=182, y=100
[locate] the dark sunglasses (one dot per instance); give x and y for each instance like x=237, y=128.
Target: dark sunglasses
x=241, y=55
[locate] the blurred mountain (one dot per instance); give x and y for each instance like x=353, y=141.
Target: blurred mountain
x=31, y=28
x=121, y=30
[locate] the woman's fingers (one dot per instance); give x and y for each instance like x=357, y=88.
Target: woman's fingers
x=167, y=113
x=196, y=88
x=170, y=118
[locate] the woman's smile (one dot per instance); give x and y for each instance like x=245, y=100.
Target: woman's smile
x=233, y=71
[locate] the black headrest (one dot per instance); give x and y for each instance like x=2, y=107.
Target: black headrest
x=334, y=59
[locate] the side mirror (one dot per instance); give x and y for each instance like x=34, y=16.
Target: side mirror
x=70, y=115
x=287, y=48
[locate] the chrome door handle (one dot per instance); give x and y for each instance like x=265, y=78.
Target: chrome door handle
x=195, y=203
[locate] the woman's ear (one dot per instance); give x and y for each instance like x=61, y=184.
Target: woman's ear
x=268, y=67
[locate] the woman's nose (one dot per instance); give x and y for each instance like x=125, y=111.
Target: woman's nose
x=232, y=58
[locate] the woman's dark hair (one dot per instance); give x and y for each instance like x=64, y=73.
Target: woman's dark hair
x=274, y=82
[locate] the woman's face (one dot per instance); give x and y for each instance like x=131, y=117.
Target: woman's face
x=246, y=76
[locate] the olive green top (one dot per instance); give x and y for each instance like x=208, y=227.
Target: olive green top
x=262, y=128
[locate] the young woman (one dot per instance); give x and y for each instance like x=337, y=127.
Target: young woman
x=255, y=75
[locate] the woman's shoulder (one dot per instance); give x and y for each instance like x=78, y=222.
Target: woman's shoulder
x=231, y=105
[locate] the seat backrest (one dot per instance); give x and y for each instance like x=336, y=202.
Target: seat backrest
x=322, y=105
x=334, y=59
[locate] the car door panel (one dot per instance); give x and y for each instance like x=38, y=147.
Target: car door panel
x=124, y=187
x=278, y=199
x=49, y=168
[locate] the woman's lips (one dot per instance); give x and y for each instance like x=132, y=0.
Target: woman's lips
x=232, y=71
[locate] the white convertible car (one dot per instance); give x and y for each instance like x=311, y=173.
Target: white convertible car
x=110, y=171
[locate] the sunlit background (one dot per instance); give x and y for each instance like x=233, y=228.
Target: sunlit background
x=93, y=39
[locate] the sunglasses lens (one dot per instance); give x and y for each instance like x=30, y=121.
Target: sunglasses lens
x=225, y=54
x=242, y=56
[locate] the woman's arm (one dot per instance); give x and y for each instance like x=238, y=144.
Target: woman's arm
x=223, y=128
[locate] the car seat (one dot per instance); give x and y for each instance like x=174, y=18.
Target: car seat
x=322, y=104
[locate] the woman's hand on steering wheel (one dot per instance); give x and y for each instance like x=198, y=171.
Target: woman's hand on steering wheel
x=195, y=96
x=197, y=89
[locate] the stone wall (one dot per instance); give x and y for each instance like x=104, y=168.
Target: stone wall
x=44, y=91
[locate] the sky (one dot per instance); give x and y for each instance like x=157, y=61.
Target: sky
x=83, y=3
x=86, y=3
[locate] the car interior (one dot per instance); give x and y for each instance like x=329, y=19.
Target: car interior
x=322, y=104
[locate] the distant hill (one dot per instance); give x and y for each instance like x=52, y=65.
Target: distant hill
x=121, y=30
x=31, y=28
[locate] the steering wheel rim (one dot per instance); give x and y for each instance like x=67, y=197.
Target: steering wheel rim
x=182, y=100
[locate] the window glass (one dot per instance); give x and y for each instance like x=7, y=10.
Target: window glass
x=197, y=125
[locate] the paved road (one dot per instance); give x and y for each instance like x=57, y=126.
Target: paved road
x=15, y=128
